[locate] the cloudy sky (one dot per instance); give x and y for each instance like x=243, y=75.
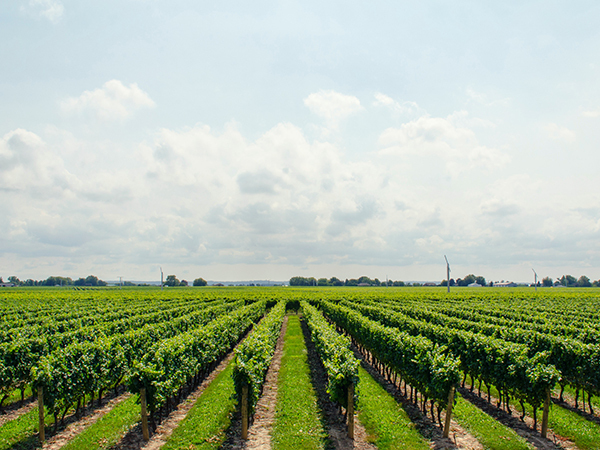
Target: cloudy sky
x=262, y=140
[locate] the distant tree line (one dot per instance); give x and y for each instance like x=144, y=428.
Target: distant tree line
x=334, y=281
x=570, y=281
x=90, y=280
x=172, y=281
x=469, y=279
x=565, y=280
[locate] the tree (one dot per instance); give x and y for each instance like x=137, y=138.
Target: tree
x=547, y=282
x=333, y=281
x=584, y=281
x=172, y=281
x=365, y=279
x=480, y=280
x=568, y=280
x=322, y=282
x=183, y=283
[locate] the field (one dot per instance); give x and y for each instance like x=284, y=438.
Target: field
x=191, y=368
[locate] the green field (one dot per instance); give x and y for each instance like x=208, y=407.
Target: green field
x=75, y=343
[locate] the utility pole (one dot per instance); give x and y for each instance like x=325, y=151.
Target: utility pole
x=447, y=273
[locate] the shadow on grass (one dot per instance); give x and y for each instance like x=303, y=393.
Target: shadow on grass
x=579, y=412
x=521, y=428
x=28, y=443
x=424, y=425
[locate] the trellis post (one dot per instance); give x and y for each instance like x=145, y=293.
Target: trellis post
x=145, y=432
x=245, y=412
x=449, y=412
x=545, y=415
x=350, y=411
x=42, y=423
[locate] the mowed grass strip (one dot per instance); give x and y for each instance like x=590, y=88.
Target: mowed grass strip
x=109, y=428
x=22, y=432
x=386, y=422
x=583, y=433
x=206, y=423
x=15, y=396
x=297, y=417
x=487, y=430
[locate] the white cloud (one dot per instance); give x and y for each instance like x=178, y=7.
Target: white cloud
x=482, y=99
x=592, y=114
x=407, y=107
x=332, y=106
x=27, y=165
x=448, y=138
x=52, y=10
x=559, y=133
x=114, y=101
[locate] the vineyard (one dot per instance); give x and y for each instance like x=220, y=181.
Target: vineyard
x=191, y=368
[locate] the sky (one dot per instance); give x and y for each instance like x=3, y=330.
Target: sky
x=236, y=140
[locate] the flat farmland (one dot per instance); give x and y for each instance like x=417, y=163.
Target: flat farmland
x=497, y=368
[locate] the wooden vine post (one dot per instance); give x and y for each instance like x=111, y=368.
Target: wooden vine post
x=545, y=415
x=350, y=411
x=42, y=424
x=449, y=412
x=145, y=432
x=245, y=412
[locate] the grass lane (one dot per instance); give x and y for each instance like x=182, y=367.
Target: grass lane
x=205, y=425
x=487, y=430
x=15, y=396
x=108, y=429
x=568, y=424
x=297, y=418
x=22, y=433
x=386, y=422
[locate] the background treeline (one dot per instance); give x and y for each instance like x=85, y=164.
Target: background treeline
x=333, y=281
x=90, y=280
x=565, y=280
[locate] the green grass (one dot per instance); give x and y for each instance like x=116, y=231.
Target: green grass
x=109, y=429
x=297, y=420
x=386, y=422
x=15, y=396
x=488, y=431
x=568, y=424
x=585, y=434
x=205, y=425
x=571, y=393
x=21, y=433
